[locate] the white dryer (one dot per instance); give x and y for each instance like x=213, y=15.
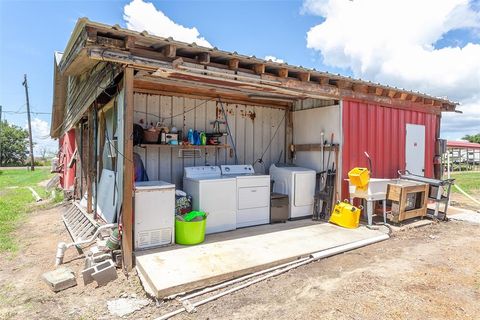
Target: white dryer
x=253, y=195
x=213, y=194
x=299, y=184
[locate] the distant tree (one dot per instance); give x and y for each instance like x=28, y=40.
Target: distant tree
x=13, y=144
x=472, y=138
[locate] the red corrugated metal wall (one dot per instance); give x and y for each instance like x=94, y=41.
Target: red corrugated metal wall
x=381, y=132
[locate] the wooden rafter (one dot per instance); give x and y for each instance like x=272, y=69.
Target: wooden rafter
x=233, y=61
x=259, y=68
x=203, y=58
x=304, y=76
x=282, y=72
x=233, y=64
x=169, y=51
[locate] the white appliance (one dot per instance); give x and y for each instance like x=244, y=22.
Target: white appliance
x=213, y=194
x=154, y=214
x=299, y=184
x=253, y=195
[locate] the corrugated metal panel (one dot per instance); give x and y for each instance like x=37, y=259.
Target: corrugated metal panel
x=381, y=132
x=251, y=126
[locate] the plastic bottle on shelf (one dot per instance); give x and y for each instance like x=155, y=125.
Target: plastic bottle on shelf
x=190, y=136
x=203, y=138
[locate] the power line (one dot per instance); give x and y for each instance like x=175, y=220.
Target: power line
x=25, y=112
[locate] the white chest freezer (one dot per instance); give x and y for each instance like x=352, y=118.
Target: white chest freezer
x=154, y=214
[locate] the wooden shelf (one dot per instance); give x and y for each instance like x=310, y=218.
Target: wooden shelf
x=208, y=146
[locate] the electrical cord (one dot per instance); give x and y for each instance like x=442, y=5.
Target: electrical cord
x=228, y=130
x=260, y=160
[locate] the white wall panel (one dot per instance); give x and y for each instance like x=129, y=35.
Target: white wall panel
x=252, y=127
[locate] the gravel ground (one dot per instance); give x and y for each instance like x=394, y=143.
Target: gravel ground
x=431, y=272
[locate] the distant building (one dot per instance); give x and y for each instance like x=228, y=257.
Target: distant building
x=464, y=155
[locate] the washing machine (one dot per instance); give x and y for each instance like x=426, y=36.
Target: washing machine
x=253, y=194
x=299, y=184
x=214, y=194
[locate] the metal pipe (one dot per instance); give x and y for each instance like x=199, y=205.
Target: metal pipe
x=227, y=283
x=313, y=257
x=62, y=246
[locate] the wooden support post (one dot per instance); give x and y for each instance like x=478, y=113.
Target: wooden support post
x=90, y=162
x=127, y=205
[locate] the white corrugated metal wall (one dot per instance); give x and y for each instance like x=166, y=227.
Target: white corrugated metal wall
x=251, y=126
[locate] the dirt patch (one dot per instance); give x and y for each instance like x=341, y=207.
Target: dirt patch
x=459, y=200
x=430, y=272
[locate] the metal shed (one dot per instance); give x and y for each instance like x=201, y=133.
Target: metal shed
x=110, y=78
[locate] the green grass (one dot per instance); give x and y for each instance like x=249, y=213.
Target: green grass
x=16, y=200
x=469, y=181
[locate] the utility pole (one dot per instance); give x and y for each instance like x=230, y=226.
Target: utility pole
x=25, y=84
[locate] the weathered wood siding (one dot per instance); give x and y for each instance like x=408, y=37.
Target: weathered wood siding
x=252, y=128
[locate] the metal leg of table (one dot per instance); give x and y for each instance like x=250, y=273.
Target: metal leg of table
x=437, y=203
x=384, y=204
x=370, y=212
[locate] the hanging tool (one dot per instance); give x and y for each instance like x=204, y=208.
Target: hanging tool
x=326, y=195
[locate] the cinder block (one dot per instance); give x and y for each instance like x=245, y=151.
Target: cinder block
x=87, y=275
x=101, y=258
x=105, y=272
x=60, y=279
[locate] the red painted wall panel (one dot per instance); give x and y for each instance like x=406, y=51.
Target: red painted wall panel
x=67, y=146
x=381, y=132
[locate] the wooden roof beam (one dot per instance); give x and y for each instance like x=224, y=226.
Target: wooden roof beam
x=403, y=96
x=169, y=51
x=358, y=87
x=282, y=72
x=259, y=68
x=343, y=84
x=203, y=58
x=304, y=76
x=391, y=93
x=233, y=64
x=378, y=91
x=129, y=42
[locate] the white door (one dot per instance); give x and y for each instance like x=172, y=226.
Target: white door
x=415, y=149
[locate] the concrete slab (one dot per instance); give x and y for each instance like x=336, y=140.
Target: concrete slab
x=232, y=254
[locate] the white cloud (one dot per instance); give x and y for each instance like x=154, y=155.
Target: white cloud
x=393, y=42
x=143, y=16
x=41, y=137
x=274, y=59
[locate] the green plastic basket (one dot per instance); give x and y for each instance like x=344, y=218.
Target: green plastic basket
x=188, y=233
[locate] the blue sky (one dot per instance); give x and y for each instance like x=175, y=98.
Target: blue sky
x=30, y=31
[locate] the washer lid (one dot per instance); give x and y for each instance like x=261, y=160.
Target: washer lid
x=201, y=171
